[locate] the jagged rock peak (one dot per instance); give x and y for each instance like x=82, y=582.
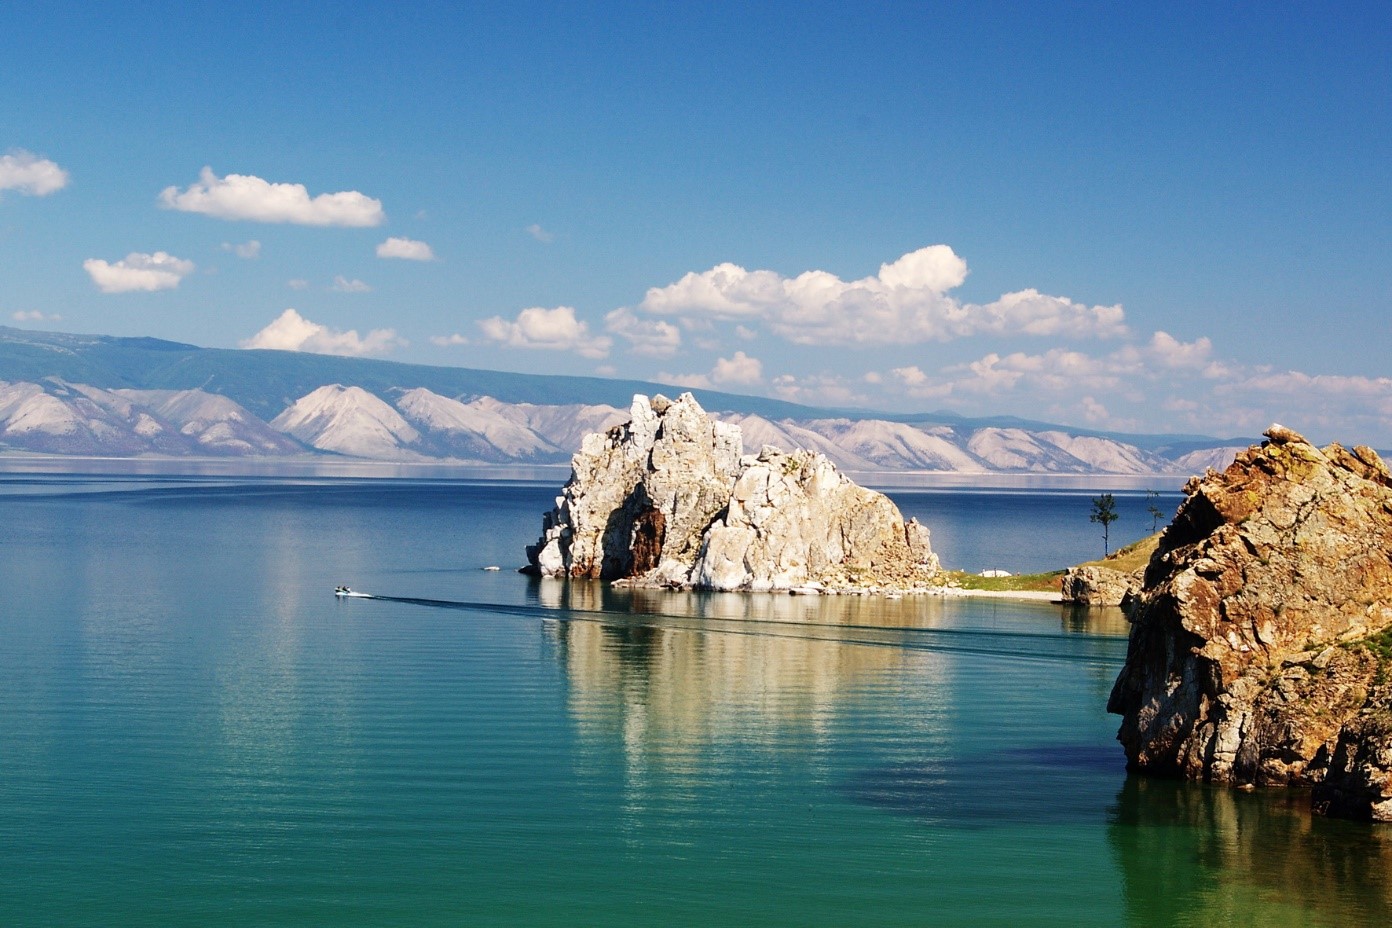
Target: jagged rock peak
x=1256, y=647
x=669, y=499
x=659, y=478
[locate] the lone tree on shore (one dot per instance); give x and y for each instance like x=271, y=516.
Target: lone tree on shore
x=1104, y=513
x=1155, y=513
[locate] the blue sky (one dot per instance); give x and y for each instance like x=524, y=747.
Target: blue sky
x=1170, y=220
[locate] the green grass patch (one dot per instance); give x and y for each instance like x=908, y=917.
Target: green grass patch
x=1040, y=583
x=1379, y=644
x=1132, y=557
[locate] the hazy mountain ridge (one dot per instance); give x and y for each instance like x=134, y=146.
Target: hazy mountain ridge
x=417, y=424
x=101, y=395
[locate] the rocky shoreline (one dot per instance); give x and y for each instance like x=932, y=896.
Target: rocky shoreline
x=1260, y=651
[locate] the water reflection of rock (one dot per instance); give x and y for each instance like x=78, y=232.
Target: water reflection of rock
x=1196, y=855
x=673, y=674
x=1095, y=620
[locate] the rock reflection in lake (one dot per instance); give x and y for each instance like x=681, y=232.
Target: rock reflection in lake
x=1199, y=855
x=726, y=671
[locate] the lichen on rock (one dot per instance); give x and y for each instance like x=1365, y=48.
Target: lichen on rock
x=1246, y=662
x=668, y=499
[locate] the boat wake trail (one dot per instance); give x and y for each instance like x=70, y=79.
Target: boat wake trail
x=1070, y=648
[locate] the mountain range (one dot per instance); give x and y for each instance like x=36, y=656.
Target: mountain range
x=102, y=395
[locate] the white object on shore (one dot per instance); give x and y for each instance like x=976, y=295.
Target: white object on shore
x=993, y=572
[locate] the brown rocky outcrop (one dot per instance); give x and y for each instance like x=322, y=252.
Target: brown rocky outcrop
x=1255, y=654
x=1098, y=586
x=668, y=499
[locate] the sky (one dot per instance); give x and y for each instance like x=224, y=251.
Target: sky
x=1172, y=220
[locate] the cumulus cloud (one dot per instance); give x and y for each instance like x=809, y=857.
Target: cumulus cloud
x=818, y=389
x=445, y=341
x=547, y=329
x=342, y=284
x=540, y=234
x=1061, y=370
x=690, y=381
x=1298, y=383
x=652, y=337
x=251, y=249
x=406, y=249
x=33, y=315
x=1094, y=411
x=740, y=370
x=1162, y=383
x=245, y=196
x=138, y=271
x=30, y=175
x=906, y=302
x=292, y=332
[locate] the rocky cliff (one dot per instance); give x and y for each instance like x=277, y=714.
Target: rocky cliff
x=669, y=499
x=1259, y=644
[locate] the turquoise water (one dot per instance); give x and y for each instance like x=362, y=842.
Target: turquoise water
x=194, y=731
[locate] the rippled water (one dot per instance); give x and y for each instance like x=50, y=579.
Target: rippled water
x=194, y=731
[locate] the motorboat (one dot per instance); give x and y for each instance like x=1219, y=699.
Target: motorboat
x=343, y=592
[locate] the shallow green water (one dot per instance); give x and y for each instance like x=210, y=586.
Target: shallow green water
x=193, y=731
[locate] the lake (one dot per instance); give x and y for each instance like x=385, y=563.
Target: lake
x=193, y=730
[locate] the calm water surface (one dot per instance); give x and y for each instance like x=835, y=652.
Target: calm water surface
x=194, y=731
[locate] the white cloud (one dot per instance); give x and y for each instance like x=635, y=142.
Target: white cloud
x=818, y=389
x=138, y=271
x=33, y=315
x=244, y=196
x=31, y=175
x=906, y=303
x=910, y=376
x=342, y=284
x=405, y=248
x=1094, y=411
x=292, y=332
x=1297, y=383
x=740, y=369
x=540, y=234
x=445, y=341
x=1161, y=384
x=251, y=249
x=690, y=381
x=652, y=337
x=547, y=329
x=298, y=283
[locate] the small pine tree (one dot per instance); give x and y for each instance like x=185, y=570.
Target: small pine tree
x=1155, y=512
x=1104, y=513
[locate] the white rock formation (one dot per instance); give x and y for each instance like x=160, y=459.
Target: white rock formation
x=641, y=494
x=794, y=521
x=667, y=499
